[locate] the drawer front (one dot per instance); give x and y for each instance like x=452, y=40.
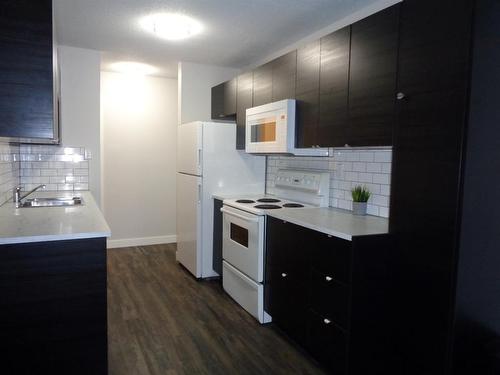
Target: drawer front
x=327, y=343
x=329, y=298
x=331, y=256
x=286, y=302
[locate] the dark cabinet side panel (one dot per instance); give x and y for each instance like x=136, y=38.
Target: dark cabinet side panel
x=284, y=71
x=244, y=100
x=334, y=85
x=372, y=81
x=477, y=306
x=263, y=84
x=307, y=94
x=230, y=97
x=26, y=69
x=217, y=240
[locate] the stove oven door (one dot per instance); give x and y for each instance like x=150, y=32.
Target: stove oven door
x=243, y=242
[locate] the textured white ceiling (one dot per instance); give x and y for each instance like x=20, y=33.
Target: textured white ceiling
x=236, y=32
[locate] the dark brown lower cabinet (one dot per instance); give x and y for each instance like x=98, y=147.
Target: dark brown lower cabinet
x=53, y=307
x=330, y=296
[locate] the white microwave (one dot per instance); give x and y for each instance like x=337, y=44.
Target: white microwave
x=270, y=129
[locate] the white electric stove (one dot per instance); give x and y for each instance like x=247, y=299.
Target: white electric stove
x=244, y=228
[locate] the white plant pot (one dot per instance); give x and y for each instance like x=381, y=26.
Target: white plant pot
x=359, y=208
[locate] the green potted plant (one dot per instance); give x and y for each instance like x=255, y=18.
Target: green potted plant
x=360, y=196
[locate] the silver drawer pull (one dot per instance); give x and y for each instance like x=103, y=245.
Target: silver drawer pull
x=283, y=274
x=328, y=278
x=327, y=321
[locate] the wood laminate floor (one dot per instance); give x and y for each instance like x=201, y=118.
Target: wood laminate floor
x=162, y=321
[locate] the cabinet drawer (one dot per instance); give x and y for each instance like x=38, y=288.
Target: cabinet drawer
x=329, y=298
x=327, y=343
x=331, y=255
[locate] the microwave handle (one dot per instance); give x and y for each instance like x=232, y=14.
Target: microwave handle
x=231, y=213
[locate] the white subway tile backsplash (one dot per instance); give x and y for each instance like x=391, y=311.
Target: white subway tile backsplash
x=347, y=168
x=9, y=170
x=60, y=168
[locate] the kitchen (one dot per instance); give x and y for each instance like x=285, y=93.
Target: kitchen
x=249, y=187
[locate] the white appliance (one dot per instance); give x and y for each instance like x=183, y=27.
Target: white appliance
x=244, y=228
x=207, y=164
x=270, y=129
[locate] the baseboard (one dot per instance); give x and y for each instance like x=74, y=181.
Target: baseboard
x=141, y=241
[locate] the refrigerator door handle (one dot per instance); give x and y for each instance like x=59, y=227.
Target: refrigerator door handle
x=199, y=193
x=199, y=158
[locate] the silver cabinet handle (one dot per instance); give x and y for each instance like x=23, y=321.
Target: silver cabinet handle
x=328, y=278
x=327, y=321
x=400, y=96
x=283, y=274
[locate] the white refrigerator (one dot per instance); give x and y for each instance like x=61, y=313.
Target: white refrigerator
x=207, y=164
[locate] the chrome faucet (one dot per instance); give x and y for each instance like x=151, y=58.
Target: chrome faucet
x=18, y=197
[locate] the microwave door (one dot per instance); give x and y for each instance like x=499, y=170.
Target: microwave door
x=263, y=130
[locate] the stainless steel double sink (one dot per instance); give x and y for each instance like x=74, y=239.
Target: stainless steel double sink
x=52, y=202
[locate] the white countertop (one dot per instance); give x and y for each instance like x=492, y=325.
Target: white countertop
x=333, y=221
x=35, y=224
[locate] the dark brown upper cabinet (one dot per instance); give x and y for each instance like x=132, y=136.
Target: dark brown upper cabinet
x=307, y=94
x=334, y=87
x=28, y=108
x=372, y=79
x=284, y=72
x=262, y=84
x=224, y=100
x=244, y=100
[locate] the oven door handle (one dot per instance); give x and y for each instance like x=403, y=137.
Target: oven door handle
x=231, y=213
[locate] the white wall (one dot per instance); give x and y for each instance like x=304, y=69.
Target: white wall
x=80, y=106
x=195, y=82
x=139, y=137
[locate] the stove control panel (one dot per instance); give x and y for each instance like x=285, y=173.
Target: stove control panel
x=312, y=182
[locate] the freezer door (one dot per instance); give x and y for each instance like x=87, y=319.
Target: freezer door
x=189, y=148
x=189, y=193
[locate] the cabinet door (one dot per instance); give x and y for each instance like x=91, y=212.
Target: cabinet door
x=244, y=100
x=433, y=76
x=218, y=101
x=224, y=100
x=307, y=94
x=372, y=79
x=27, y=70
x=53, y=316
x=286, y=277
x=263, y=84
x=334, y=85
x=284, y=71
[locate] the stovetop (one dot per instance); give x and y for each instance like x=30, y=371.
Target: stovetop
x=260, y=204
x=293, y=189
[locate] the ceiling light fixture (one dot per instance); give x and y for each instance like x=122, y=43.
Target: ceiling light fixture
x=131, y=67
x=171, y=26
